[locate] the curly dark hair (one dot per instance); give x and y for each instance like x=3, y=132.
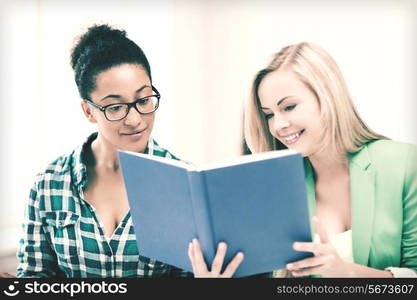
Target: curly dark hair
x=99, y=49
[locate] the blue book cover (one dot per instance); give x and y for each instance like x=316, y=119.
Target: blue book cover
x=257, y=204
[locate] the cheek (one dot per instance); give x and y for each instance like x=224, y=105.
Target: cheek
x=149, y=119
x=271, y=130
x=318, y=126
x=106, y=126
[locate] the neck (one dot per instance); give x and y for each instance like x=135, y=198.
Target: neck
x=329, y=165
x=105, y=155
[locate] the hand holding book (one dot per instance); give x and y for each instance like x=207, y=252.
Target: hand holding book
x=200, y=267
x=326, y=261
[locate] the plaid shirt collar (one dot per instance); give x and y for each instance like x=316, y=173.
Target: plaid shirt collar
x=78, y=156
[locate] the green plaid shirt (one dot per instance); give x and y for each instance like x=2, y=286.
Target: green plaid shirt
x=62, y=236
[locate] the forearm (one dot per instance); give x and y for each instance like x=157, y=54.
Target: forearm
x=363, y=271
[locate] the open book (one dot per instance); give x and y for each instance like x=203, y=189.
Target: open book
x=256, y=204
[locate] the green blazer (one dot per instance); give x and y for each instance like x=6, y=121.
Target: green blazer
x=383, y=187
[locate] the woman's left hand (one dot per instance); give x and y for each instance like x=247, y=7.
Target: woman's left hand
x=6, y=275
x=326, y=261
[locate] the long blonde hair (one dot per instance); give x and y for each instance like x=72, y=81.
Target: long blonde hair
x=344, y=130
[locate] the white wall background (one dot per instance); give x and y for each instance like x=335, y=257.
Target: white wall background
x=203, y=55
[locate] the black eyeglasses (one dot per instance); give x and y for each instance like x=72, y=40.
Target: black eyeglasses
x=119, y=111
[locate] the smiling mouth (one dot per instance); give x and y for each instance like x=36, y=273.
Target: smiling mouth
x=133, y=133
x=293, y=138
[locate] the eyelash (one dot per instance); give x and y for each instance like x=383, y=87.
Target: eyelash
x=290, y=107
x=287, y=108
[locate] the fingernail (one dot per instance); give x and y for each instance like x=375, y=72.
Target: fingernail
x=221, y=246
x=295, y=245
x=289, y=266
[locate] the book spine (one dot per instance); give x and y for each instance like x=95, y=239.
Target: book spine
x=202, y=216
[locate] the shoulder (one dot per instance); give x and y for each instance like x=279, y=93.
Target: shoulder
x=68, y=166
x=388, y=151
x=55, y=185
x=393, y=161
x=55, y=170
x=390, y=146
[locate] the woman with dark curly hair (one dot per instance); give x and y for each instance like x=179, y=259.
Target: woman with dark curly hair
x=77, y=220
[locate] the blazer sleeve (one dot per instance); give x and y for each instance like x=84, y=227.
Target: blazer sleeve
x=409, y=233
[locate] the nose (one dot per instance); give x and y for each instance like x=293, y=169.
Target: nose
x=280, y=122
x=133, y=118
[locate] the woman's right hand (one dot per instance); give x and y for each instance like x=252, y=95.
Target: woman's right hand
x=6, y=275
x=200, y=269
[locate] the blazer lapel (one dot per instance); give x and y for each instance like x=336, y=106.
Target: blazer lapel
x=311, y=191
x=362, y=195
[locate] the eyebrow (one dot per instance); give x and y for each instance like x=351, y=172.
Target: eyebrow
x=278, y=102
x=118, y=96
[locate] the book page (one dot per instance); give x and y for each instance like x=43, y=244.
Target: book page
x=245, y=159
x=173, y=162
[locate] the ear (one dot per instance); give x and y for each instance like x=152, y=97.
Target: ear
x=88, y=112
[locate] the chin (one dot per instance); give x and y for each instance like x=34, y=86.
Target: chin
x=137, y=148
x=303, y=152
x=133, y=147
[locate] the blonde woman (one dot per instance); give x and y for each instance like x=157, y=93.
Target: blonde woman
x=362, y=187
